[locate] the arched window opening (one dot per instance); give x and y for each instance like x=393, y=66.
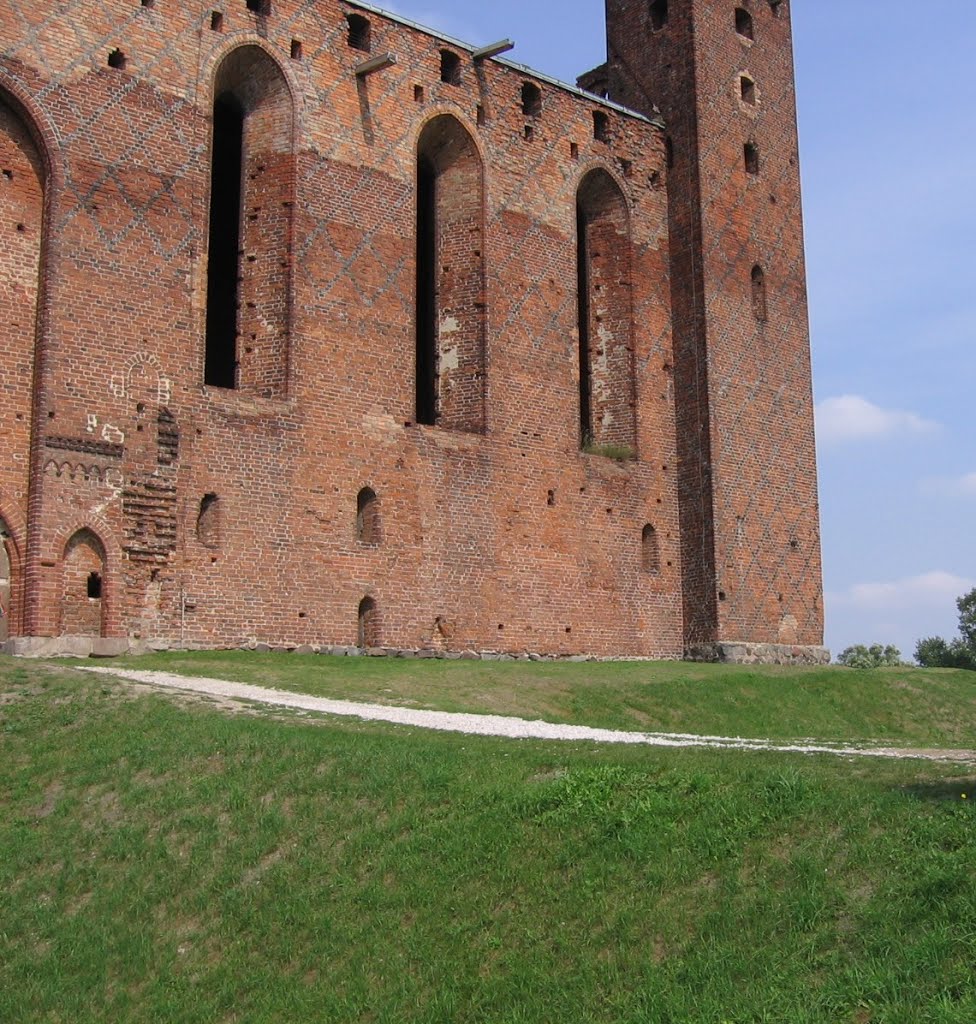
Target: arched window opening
x=747, y=90
x=450, y=67
x=208, y=521
x=605, y=318
x=659, y=14
x=367, y=517
x=251, y=199
x=360, y=33
x=743, y=23
x=6, y=585
x=750, y=154
x=531, y=100
x=450, y=359
x=650, y=551
x=82, y=611
x=368, y=634
x=759, y=294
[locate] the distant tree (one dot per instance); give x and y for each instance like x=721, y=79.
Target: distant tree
x=875, y=656
x=934, y=652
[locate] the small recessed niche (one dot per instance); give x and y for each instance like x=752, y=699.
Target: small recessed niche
x=659, y=14
x=747, y=90
x=668, y=152
x=450, y=67
x=721, y=595
x=750, y=156
x=528, y=132
x=94, y=586
x=601, y=126
x=262, y=7
x=360, y=32
x=574, y=151
x=8, y=174
x=216, y=21
x=148, y=3
x=531, y=100
x=550, y=498
x=778, y=7
x=480, y=116
x=418, y=94
x=117, y=60
x=743, y=23
x=296, y=49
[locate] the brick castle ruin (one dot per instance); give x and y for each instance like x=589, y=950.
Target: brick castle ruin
x=318, y=327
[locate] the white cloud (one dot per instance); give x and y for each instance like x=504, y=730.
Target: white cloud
x=953, y=486
x=853, y=418
x=931, y=589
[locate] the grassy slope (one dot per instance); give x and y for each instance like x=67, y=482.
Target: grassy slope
x=910, y=707
x=163, y=861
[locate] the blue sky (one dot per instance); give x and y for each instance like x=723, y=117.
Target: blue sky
x=887, y=110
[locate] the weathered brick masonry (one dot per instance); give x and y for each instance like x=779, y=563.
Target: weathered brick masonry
x=317, y=327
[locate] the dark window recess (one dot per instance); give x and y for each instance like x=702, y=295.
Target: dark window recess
x=117, y=60
x=759, y=294
x=148, y=3
x=778, y=7
x=296, y=49
x=601, y=126
x=743, y=23
x=94, y=586
x=450, y=67
x=650, y=552
x=528, y=132
x=426, y=291
x=583, y=312
x=750, y=153
x=418, y=93
x=259, y=6
x=747, y=89
x=216, y=21
x=531, y=100
x=367, y=517
x=659, y=14
x=368, y=633
x=360, y=34
x=208, y=521
x=225, y=242
x=669, y=152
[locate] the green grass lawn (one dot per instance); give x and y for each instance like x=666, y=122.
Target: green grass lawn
x=164, y=861
x=904, y=706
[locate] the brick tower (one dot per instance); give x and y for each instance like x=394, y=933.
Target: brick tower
x=721, y=73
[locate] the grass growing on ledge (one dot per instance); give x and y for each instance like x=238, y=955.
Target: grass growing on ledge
x=162, y=860
x=618, y=452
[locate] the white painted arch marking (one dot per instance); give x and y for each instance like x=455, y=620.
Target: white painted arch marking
x=503, y=725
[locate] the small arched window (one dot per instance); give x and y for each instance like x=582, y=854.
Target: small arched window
x=659, y=14
x=650, y=551
x=759, y=293
x=743, y=23
x=368, y=631
x=450, y=67
x=367, y=517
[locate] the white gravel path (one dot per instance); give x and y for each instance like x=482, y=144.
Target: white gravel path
x=501, y=725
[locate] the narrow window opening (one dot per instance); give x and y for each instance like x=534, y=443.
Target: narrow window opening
x=759, y=293
x=528, y=132
x=259, y=6
x=418, y=93
x=225, y=242
x=296, y=49
x=208, y=521
x=531, y=100
x=669, y=152
x=583, y=319
x=659, y=15
x=216, y=21
x=750, y=152
x=148, y=3
x=367, y=517
x=601, y=126
x=743, y=23
x=480, y=116
x=747, y=89
x=117, y=60
x=450, y=67
x=650, y=551
x=94, y=586
x=426, y=291
x=360, y=32
x=368, y=634
x=574, y=151
x=778, y=6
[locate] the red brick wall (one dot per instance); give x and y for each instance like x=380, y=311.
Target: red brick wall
x=474, y=551
x=748, y=495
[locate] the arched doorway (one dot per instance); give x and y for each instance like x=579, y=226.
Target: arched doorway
x=83, y=598
x=6, y=584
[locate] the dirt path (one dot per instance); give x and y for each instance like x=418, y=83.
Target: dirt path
x=500, y=725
